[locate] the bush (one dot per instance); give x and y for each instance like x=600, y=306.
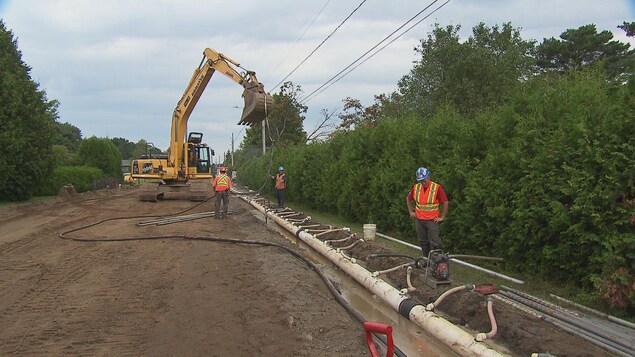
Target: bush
x=545, y=182
x=81, y=177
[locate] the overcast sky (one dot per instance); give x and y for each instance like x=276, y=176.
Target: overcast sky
x=119, y=67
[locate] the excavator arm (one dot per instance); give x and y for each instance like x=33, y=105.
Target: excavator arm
x=258, y=103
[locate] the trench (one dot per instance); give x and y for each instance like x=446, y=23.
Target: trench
x=411, y=340
x=416, y=330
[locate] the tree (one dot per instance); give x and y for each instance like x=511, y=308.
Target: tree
x=284, y=123
x=102, y=154
x=142, y=147
x=583, y=47
x=126, y=148
x=629, y=28
x=323, y=129
x=61, y=156
x=67, y=135
x=355, y=115
x=27, y=121
x=471, y=75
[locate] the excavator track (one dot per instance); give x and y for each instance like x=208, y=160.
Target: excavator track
x=149, y=191
x=199, y=190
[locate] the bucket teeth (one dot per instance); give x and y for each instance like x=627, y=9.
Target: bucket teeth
x=257, y=107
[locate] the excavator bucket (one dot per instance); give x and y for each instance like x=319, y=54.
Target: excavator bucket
x=257, y=107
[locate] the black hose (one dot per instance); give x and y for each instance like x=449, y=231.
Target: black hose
x=336, y=294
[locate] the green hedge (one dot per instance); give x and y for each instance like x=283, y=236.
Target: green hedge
x=81, y=177
x=541, y=182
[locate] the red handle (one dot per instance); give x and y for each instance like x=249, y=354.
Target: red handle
x=376, y=327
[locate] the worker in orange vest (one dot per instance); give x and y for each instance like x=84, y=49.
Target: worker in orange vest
x=281, y=185
x=222, y=183
x=430, y=209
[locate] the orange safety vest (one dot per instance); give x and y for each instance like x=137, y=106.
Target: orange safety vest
x=222, y=183
x=427, y=201
x=280, y=184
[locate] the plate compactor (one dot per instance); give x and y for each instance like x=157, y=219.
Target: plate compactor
x=437, y=268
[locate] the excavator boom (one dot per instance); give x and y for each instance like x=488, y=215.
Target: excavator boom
x=258, y=103
x=189, y=162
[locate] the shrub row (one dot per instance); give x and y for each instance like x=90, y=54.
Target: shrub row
x=546, y=181
x=81, y=177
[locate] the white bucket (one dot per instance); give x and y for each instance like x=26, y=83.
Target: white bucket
x=369, y=231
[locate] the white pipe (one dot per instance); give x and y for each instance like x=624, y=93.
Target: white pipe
x=390, y=270
x=431, y=306
x=331, y=241
x=350, y=245
x=452, y=336
x=408, y=282
x=345, y=229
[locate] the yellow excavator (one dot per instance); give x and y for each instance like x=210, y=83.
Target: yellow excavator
x=187, y=168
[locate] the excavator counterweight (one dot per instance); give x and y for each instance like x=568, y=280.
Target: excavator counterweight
x=257, y=107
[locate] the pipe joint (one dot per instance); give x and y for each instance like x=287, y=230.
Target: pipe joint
x=406, y=305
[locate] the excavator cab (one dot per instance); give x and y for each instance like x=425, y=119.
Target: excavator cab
x=257, y=106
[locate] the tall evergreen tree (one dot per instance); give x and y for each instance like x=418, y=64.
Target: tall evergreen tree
x=584, y=46
x=27, y=121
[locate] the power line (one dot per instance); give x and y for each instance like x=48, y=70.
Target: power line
x=333, y=79
x=320, y=45
x=298, y=40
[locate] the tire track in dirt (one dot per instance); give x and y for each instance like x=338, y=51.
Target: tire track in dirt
x=34, y=307
x=131, y=298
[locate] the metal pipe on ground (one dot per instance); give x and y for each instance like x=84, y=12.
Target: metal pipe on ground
x=595, y=312
x=538, y=300
x=452, y=336
x=580, y=332
x=176, y=219
x=163, y=219
x=572, y=320
x=460, y=262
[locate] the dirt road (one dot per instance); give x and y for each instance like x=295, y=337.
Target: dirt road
x=186, y=297
x=164, y=297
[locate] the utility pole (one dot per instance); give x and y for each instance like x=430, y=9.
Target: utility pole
x=264, y=146
x=232, y=150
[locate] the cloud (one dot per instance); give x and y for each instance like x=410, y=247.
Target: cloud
x=119, y=67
